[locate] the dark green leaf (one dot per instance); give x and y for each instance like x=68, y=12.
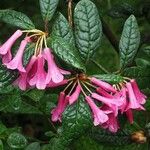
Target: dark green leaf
x=15, y=101
x=28, y=53
x=142, y=75
x=129, y=41
x=24, y=108
x=1, y=145
x=111, y=78
x=88, y=28
x=142, y=62
x=62, y=29
x=121, y=10
x=6, y=79
x=76, y=120
x=16, y=19
x=65, y=52
x=16, y=140
x=103, y=136
x=34, y=94
x=33, y=146
x=48, y=8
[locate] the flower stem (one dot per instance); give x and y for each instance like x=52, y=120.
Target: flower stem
x=100, y=66
x=70, y=13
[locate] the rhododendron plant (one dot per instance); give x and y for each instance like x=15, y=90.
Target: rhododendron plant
x=67, y=76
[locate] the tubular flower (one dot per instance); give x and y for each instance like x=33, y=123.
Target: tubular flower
x=62, y=103
x=16, y=62
x=6, y=47
x=41, y=71
x=99, y=116
x=112, y=99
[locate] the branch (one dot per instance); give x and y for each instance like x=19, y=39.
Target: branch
x=110, y=35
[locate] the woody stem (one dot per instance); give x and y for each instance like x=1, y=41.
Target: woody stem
x=70, y=12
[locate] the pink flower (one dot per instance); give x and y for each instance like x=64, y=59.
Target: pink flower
x=53, y=85
x=141, y=98
x=54, y=73
x=108, y=101
x=16, y=62
x=112, y=123
x=102, y=84
x=75, y=95
x=57, y=112
x=104, y=93
x=22, y=80
x=7, y=57
x=6, y=47
x=133, y=102
x=129, y=115
x=39, y=76
x=99, y=116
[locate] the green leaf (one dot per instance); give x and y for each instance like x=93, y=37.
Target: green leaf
x=35, y=94
x=129, y=42
x=61, y=28
x=142, y=75
x=2, y=128
x=33, y=146
x=17, y=141
x=28, y=53
x=16, y=19
x=65, y=52
x=24, y=108
x=15, y=101
x=6, y=79
x=48, y=8
x=76, y=120
x=88, y=28
x=142, y=62
x=1, y=145
x=111, y=78
x=120, y=138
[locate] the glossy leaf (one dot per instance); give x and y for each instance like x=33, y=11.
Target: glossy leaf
x=62, y=29
x=24, y=108
x=16, y=19
x=142, y=75
x=6, y=79
x=15, y=101
x=28, y=53
x=16, y=140
x=76, y=120
x=1, y=145
x=33, y=146
x=103, y=136
x=88, y=28
x=65, y=52
x=34, y=94
x=48, y=8
x=129, y=42
x=111, y=78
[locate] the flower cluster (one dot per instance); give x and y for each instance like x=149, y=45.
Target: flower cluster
x=111, y=100
x=105, y=101
x=34, y=73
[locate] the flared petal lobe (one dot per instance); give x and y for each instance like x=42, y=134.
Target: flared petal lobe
x=133, y=102
x=99, y=116
x=8, y=44
x=57, y=112
x=54, y=73
x=16, y=62
x=139, y=95
x=39, y=77
x=22, y=81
